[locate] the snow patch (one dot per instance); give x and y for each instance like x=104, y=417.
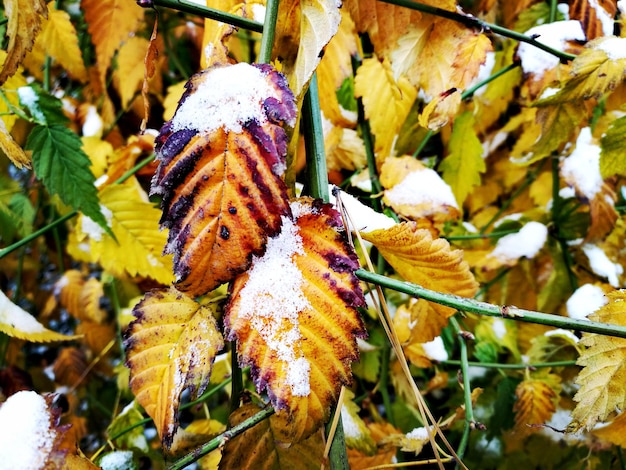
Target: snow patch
x=92, y=229
x=602, y=265
x=584, y=301
x=608, y=25
x=350, y=427
x=274, y=312
x=422, y=187
x=562, y=332
x=420, y=434
x=614, y=48
x=499, y=328
x=26, y=433
x=582, y=168
x=553, y=35
x=14, y=316
x=364, y=218
x=525, y=243
x=92, y=125
x=117, y=460
x=435, y=350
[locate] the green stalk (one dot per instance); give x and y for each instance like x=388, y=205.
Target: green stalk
x=69, y=215
x=317, y=174
x=222, y=439
x=237, y=378
x=269, y=31
x=483, y=308
x=493, y=365
x=211, y=13
x=479, y=236
x=476, y=23
x=338, y=456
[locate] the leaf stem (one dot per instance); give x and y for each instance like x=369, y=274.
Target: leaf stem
x=317, y=174
x=483, y=308
x=470, y=91
x=493, y=365
x=211, y=13
x=473, y=22
x=237, y=378
x=222, y=439
x=269, y=31
x=479, y=236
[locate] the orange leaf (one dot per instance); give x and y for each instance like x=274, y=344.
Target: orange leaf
x=222, y=158
x=169, y=347
x=110, y=22
x=24, y=24
x=128, y=78
x=421, y=260
x=536, y=403
x=267, y=453
x=293, y=315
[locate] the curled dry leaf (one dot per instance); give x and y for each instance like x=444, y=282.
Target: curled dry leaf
x=222, y=157
x=170, y=347
x=294, y=317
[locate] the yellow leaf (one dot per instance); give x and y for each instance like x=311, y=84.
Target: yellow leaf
x=11, y=149
x=20, y=324
x=301, y=338
x=415, y=191
x=24, y=24
x=536, y=403
x=221, y=177
x=357, y=435
x=59, y=39
x=302, y=31
x=386, y=452
x=440, y=110
x=10, y=88
x=419, y=322
x=421, y=260
x=267, y=453
x=387, y=103
x=135, y=224
x=344, y=149
x=603, y=375
x=170, y=103
x=614, y=432
x=613, y=155
x=110, y=22
x=128, y=77
x=170, y=347
x=464, y=164
x=98, y=151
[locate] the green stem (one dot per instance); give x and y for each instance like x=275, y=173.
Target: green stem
x=384, y=379
x=211, y=13
x=479, y=236
x=69, y=215
x=317, y=174
x=553, y=9
x=222, y=439
x=338, y=456
x=493, y=365
x=237, y=378
x=269, y=31
x=470, y=91
x=368, y=142
x=483, y=308
x=423, y=143
x=476, y=23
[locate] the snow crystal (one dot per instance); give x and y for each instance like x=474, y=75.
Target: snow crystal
x=553, y=35
x=258, y=12
x=525, y=243
x=365, y=219
x=12, y=315
x=602, y=265
x=92, y=229
x=226, y=97
x=499, y=328
x=116, y=460
x=422, y=187
x=562, y=332
x=615, y=48
x=420, y=434
x=608, y=25
x=274, y=312
x=435, y=350
x=585, y=300
x=582, y=168
x=26, y=434
x=93, y=125
x=350, y=427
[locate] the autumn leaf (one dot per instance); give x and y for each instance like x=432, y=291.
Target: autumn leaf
x=110, y=22
x=24, y=23
x=536, y=402
x=300, y=338
x=138, y=242
x=614, y=432
x=421, y=260
x=415, y=191
x=387, y=103
x=18, y=323
x=267, y=452
x=462, y=167
x=602, y=378
x=613, y=153
x=303, y=29
x=11, y=149
x=357, y=435
x=221, y=161
x=170, y=347
x=128, y=76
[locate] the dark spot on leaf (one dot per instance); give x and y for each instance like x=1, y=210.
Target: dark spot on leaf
x=340, y=263
x=232, y=210
x=224, y=232
x=175, y=143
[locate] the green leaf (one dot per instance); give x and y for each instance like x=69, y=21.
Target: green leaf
x=21, y=206
x=59, y=161
x=462, y=167
x=345, y=95
x=503, y=417
x=613, y=154
x=44, y=108
x=126, y=431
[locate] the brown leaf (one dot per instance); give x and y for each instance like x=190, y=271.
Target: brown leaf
x=593, y=14
x=293, y=315
x=24, y=24
x=267, y=453
x=170, y=347
x=536, y=403
x=69, y=366
x=11, y=149
x=220, y=177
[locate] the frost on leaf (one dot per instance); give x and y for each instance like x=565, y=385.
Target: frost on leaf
x=222, y=157
x=170, y=347
x=294, y=317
